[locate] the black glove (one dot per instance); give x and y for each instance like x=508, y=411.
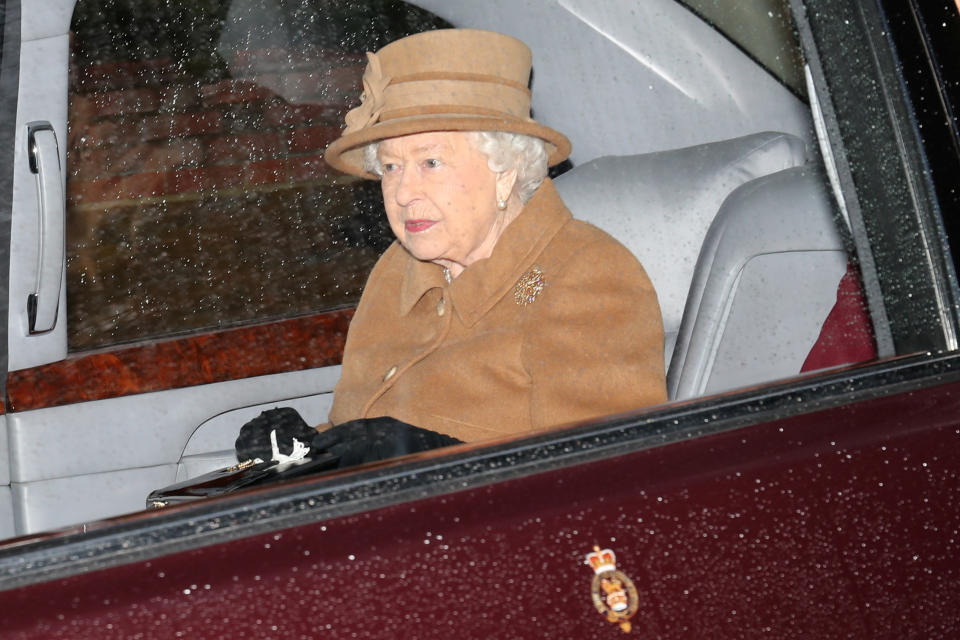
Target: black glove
x=370, y=439
x=254, y=439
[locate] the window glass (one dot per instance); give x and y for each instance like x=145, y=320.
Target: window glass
x=198, y=197
x=764, y=29
x=197, y=192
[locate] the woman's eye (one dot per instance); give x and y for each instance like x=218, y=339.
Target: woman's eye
x=389, y=167
x=431, y=163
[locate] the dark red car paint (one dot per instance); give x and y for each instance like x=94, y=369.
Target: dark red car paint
x=839, y=523
x=842, y=522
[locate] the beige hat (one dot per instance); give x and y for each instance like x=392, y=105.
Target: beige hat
x=445, y=80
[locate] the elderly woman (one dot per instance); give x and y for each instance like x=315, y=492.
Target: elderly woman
x=495, y=313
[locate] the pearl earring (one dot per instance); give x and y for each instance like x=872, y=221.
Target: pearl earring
x=501, y=204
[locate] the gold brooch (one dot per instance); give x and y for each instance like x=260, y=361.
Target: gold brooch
x=528, y=286
x=614, y=594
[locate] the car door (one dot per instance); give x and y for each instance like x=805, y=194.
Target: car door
x=821, y=505
x=8, y=100
x=180, y=259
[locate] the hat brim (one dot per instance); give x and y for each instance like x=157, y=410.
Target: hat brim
x=346, y=153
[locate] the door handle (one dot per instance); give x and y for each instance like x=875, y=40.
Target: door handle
x=44, y=155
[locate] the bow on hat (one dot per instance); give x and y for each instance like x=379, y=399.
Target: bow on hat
x=371, y=101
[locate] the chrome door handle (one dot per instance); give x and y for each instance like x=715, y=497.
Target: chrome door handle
x=44, y=155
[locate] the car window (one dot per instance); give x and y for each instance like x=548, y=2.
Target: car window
x=764, y=29
x=197, y=193
x=198, y=197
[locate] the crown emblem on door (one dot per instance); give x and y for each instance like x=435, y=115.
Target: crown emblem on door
x=614, y=594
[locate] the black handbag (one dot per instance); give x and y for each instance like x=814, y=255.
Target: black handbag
x=239, y=476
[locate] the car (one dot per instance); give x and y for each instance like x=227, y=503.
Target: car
x=786, y=172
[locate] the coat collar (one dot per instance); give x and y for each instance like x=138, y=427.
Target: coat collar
x=485, y=282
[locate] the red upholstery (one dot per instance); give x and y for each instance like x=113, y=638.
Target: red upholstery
x=847, y=335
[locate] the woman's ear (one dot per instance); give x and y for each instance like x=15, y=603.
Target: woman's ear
x=506, y=181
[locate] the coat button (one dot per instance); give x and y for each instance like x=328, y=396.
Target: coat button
x=389, y=374
x=441, y=307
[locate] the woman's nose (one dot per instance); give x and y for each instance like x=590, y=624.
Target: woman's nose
x=408, y=187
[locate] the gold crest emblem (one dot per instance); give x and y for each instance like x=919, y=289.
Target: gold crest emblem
x=614, y=594
x=529, y=286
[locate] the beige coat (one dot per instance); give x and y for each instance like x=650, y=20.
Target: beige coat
x=560, y=324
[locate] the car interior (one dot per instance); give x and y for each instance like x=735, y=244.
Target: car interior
x=687, y=148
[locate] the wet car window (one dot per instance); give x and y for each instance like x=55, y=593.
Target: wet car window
x=197, y=197
x=197, y=193
x=764, y=29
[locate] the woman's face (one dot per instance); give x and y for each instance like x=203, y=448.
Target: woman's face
x=441, y=198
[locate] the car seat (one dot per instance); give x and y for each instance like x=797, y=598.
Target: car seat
x=661, y=204
x=765, y=281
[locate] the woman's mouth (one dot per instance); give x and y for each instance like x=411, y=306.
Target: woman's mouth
x=418, y=226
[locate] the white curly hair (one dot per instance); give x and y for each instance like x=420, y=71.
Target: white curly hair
x=504, y=151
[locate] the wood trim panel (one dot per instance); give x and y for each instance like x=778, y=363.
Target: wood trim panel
x=287, y=345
